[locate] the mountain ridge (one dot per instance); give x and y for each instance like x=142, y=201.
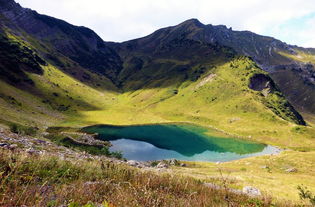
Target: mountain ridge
x=275, y=57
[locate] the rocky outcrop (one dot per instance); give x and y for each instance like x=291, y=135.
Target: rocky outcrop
x=260, y=82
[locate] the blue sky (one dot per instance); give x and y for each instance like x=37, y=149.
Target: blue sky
x=292, y=21
x=300, y=30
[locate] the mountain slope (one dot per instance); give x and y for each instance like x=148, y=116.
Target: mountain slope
x=277, y=58
x=151, y=80
x=58, y=41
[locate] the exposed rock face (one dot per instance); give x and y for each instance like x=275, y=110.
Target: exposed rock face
x=276, y=102
x=259, y=82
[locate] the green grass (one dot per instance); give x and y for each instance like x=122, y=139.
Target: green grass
x=301, y=56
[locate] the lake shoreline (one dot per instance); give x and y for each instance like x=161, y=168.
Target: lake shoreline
x=180, y=141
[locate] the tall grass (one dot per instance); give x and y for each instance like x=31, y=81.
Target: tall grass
x=44, y=180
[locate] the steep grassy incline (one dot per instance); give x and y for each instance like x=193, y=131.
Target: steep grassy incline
x=35, y=93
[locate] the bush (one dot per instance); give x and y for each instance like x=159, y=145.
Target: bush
x=23, y=130
x=305, y=194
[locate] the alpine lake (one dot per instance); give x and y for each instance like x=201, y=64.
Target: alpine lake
x=176, y=141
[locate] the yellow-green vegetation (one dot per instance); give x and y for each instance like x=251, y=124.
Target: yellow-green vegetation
x=224, y=102
x=301, y=56
x=49, y=181
x=276, y=175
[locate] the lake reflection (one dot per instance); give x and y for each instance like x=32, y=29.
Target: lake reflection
x=182, y=142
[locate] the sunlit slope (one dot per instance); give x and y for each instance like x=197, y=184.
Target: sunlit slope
x=54, y=96
x=221, y=98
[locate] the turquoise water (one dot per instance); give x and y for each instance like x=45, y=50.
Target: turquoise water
x=182, y=142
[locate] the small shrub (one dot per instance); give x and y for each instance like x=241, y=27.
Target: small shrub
x=243, y=169
x=305, y=194
x=23, y=130
x=154, y=163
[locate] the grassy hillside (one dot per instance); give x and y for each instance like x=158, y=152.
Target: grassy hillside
x=50, y=181
x=220, y=98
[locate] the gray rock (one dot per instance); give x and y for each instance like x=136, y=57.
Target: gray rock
x=162, y=165
x=12, y=146
x=183, y=165
x=132, y=163
x=39, y=141
x=32, y=151
x=218, y=187
x=213, y=186
x=291, y=170
x=3, y=144
x=174, y=162
x=251, y=191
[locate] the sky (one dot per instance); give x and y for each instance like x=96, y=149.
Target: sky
x=292, y=21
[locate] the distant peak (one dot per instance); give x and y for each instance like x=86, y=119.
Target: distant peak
x=192, y=22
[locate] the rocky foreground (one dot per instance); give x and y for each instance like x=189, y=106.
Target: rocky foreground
x=40, y=146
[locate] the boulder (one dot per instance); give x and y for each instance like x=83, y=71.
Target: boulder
x=251, y=191
x=291, y=170
x=3, y=144
x=32, y=151
x=174, y=162
x=132, y=163
x=162, y=165
x=12, y=146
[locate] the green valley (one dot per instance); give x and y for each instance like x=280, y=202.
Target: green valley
x=54, y=75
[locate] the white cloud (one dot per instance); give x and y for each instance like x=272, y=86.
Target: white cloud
x=121, y=20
